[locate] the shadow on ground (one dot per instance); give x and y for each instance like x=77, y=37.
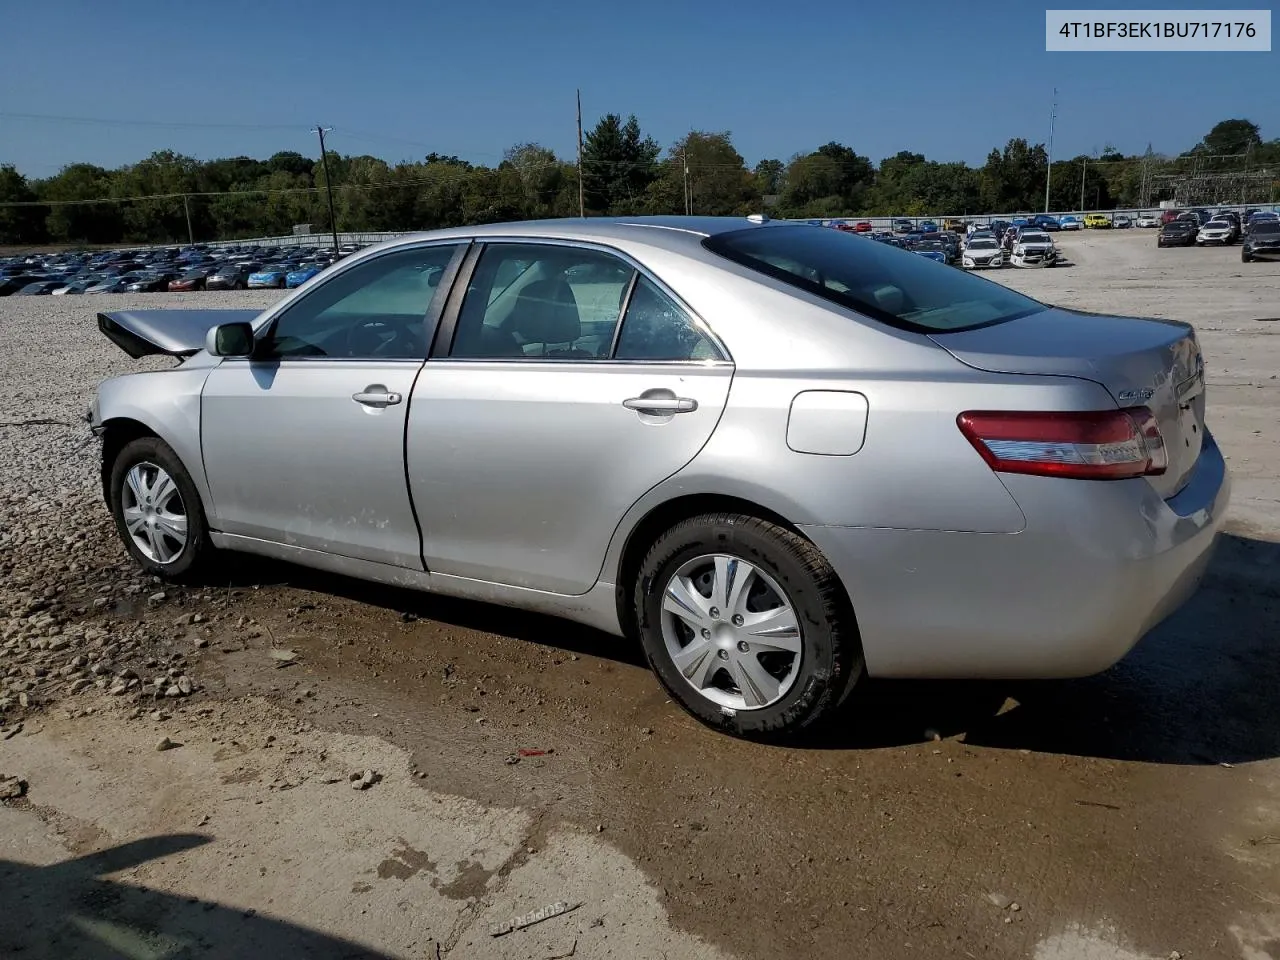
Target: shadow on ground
x=68, y=910
x=1199, y=689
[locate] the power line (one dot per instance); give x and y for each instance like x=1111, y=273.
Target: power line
x=174, y=124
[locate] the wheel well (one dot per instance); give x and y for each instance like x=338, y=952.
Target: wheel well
x=661, y=519
x=118, y=433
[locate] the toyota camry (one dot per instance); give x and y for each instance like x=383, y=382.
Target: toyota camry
x=783, y=458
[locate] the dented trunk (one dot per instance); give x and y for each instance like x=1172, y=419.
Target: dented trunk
x=175, y=333
x=1141, y=362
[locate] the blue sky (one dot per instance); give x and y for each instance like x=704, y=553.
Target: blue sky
x=947, y=78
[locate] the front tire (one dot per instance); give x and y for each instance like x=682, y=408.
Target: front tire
x=746, y=625
x=158, y=512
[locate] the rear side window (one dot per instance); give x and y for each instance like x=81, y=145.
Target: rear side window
x=655, y=328
x=896, y=287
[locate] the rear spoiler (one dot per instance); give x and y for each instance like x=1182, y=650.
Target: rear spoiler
x=174, y=333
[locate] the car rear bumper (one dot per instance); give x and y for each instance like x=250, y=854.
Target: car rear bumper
x=1097, y=566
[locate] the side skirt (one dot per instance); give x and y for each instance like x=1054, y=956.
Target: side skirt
x=595, y=608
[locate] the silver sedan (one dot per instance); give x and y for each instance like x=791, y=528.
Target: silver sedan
x=783, y=457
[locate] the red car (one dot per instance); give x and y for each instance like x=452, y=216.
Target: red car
x=1168, y=216
x=862, y=226
x=191, y=280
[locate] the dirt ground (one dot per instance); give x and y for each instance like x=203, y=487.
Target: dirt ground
x=518, y=761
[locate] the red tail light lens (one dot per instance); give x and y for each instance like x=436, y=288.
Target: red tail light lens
x=1095, y=445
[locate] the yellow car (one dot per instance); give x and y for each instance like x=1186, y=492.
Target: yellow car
x=1099, y=220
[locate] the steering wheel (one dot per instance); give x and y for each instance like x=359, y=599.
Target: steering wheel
x=384, y=337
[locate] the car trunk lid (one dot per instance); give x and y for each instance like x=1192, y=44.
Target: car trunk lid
x=1140, y=362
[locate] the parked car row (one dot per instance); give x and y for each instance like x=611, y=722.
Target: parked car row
x=195, y=267
x=1259, y=234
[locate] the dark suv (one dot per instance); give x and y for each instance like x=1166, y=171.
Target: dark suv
x=1178, y=233
x=1262, y=242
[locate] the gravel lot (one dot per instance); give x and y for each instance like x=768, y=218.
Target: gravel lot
x=517, y=761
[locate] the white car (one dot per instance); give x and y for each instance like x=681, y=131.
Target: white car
x=1033, y=248
x=1148, y=220
x=982, y=252
x=1216, y=231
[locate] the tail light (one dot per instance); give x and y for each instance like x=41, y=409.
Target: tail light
x=1094, y=445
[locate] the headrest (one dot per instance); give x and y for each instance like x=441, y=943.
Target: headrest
x=547, y=312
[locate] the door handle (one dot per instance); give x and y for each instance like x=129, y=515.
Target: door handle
x=376, y=396
x=661, y=405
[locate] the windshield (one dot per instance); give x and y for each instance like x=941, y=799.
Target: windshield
x=1035, y=238
x=1266, y=226
x=983, y=245
x=874, y=279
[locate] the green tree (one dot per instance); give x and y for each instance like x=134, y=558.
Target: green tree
x=1013, y=179
x=770, y=177
x=618, y=164
x=1230, y=137
x=832, y=181
x=19, y=224
x=719, y=182
x=77, y=213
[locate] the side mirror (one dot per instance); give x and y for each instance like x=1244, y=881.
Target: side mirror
x=230, y=340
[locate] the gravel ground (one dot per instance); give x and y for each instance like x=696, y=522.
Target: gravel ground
x=63, y=577
x=1128, y=816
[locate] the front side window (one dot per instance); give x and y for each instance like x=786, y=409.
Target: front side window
x=873, y=279
x=375, y=310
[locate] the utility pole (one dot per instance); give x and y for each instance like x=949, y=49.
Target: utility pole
x=582, y=208
x=1048, y=173
x=328, y=185
x=191, y=237
x=688, y=193
x=1084, y=165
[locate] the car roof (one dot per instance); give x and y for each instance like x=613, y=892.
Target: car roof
x=669, y=232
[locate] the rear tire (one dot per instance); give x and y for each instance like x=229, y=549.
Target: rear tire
x=158, y=512
x=764, y=642
x=1244, y=257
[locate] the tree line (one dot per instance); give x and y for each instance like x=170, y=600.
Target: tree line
x=168, y=196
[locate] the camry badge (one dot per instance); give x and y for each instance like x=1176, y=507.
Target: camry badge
x=1136, y=396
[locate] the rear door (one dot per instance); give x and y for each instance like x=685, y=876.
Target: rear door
x=566, y=384
x=304, y=443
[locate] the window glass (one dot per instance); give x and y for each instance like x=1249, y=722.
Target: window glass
x=656, y=329
x=541, y=302
x=374, y=310
x=893, y=286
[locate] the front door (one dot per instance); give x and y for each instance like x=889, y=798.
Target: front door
x=304, y=443
x=572, y=386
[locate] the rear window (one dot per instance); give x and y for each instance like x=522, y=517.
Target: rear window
x=882, y=282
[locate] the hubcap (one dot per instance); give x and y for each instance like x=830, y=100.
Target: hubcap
x=154, y=513
x=731, y=632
